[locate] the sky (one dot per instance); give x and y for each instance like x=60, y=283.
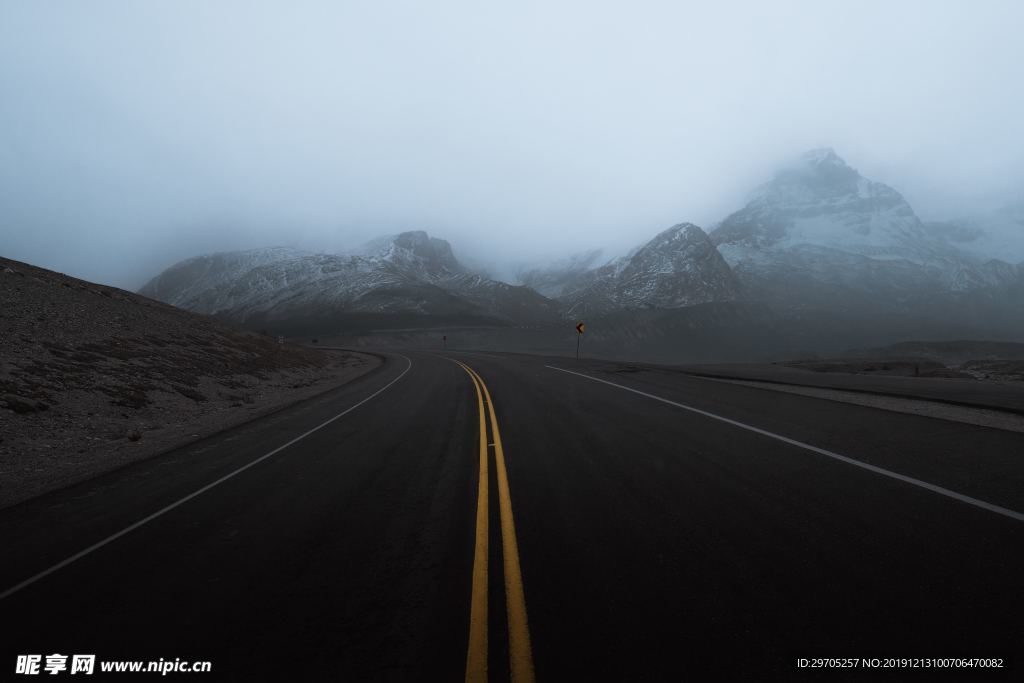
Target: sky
x=135, y=134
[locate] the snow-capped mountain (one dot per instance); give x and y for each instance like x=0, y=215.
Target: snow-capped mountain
x=187, y=284
x=415, y=253
x=822, y=202
x=410, y=274
x=561, y=276
x=679, y=267
x=816, y=241
x=819, y=233
x=997, y=234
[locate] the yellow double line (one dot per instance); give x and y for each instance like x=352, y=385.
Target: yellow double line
x=520, y=658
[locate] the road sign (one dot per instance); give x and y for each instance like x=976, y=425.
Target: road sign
x=580, y=327
x=579, y=336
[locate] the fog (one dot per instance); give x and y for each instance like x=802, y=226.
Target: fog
x=136, y=134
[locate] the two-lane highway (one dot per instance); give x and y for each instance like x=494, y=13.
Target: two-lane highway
x=470, y=515
x=479, y=656
x=658, y=542
x=348, y=552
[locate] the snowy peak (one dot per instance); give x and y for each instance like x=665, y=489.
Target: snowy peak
x=561, y=276
x=824, y=158
x=822, y=155
x=409, y=274
x=433, y=252
x=997, y=234
x=821, y=202
x=819, y=234
x=185, y=279
x=817, y=175
x=673, y=250
x=678, y=267
x=418, y=252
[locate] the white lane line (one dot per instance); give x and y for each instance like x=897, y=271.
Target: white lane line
x=1006, y=512
x=145, y=520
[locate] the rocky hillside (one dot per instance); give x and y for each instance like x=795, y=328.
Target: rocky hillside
x=997, y=234
x=188, y=283
x=561, y=276
x=819, y=234
x=821, y=201
x=410, y=278
x=679, y=267
x=92, y=377
x=820, y=244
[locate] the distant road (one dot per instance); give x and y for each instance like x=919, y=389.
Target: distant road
x=634, y=523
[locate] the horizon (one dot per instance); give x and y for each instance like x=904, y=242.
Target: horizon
x=133, y=137
x=503, y=271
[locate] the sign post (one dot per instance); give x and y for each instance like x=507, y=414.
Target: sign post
x=444, y=341
x=580, y=327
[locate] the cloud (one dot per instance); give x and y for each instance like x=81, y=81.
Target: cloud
x=135, y=134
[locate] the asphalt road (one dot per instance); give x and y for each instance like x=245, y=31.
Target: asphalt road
x=635, y=524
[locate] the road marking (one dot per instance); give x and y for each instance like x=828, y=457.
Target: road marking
x=478, y=353
x=476, y=656
x=520, y=656
x=1005, y=512
x=164, y=510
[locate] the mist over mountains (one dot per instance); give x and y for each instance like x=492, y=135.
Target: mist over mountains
x=821, y=255
x=406, y=280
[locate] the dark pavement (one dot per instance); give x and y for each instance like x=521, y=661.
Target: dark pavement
x=655, y=543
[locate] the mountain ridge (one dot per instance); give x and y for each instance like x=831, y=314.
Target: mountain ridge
x=817, y=236
x=410, y=274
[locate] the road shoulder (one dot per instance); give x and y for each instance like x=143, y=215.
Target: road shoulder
x=65, y=452
x=982, y=417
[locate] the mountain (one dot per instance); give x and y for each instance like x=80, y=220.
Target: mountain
x=820, y=256
x=187, y=283
x=561, y=276
x=679, y=267
x=821, y=201
x=416, y=253
x=406, y=279
x=819, y=234
x=93, y=377
x=997, y=234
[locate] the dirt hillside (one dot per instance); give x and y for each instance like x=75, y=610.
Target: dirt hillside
x=93, y=377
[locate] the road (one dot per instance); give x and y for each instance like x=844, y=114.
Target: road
x=634, y=524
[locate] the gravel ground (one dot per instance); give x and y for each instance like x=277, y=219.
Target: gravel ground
x=983, y=417
x=93, y=378
x=993, y=387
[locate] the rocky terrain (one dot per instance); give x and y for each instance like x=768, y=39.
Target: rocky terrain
x=93, y=377
x=947, y=352
x=561, y=276
x=997, y=234
x=820, y=259
x=960, y=359
x=407, y=280
x=837, y=257
x=677, y=268
x=820, y=235
x=986, y=360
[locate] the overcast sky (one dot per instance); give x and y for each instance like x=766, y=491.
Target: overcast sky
x=134, y=134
